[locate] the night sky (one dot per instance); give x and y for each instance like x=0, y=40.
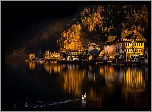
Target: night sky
x=20, y=15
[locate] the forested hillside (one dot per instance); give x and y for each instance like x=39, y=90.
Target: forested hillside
x=91, y=23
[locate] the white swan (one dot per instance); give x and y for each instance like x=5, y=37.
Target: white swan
x=85, y=95
x=82, y=97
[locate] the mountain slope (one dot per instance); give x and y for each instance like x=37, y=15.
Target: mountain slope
x=112, y=20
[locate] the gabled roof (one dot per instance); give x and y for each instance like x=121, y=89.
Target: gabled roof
x=129, y=34
x=111, y=38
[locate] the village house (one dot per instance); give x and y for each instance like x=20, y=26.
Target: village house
x=133, y=43
x=130, y=44
x=32, y=56
x=110, y=47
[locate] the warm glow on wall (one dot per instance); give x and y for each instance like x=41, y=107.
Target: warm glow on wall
x=109, y=49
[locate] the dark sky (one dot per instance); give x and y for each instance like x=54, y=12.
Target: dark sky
x=14, y=12
x=19, y=15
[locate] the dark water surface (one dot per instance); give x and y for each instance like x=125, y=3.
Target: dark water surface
x=34, y=85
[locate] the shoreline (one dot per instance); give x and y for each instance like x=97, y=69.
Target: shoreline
x=97, y=62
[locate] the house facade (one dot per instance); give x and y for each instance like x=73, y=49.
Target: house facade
x=32, y=56
x=133, y=43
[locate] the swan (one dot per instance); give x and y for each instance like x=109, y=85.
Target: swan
x=85, y=95
x=82, y=97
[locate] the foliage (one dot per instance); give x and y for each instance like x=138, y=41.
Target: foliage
x=92, y=23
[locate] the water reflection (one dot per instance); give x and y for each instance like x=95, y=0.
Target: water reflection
x=91, y=73
x=83, y=104
x=32, y=65
x=134, y=80
x=76, y=79
x=110, y=76
x=71, y=80
x=106, y=86
x=134, y=88
x=50, y=68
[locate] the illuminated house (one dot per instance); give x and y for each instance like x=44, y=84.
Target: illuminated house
x=133, y=43
x=51, y=55
x=93, y=50
x=110, y=47
x=47, y=54
x=77, y=55
x=32, y=56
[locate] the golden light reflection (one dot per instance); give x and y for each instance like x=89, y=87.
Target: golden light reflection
x=109, y=75
x=134, y=80
x=94, y=96
x=102, y=71
x=32, y=65
x=72, y=80
x=134, y=86
x=53, y=67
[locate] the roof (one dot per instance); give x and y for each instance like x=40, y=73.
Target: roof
x=129, y=34
x=111, y=38
x=94, y=51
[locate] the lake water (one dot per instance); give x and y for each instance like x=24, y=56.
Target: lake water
x=34, y=85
